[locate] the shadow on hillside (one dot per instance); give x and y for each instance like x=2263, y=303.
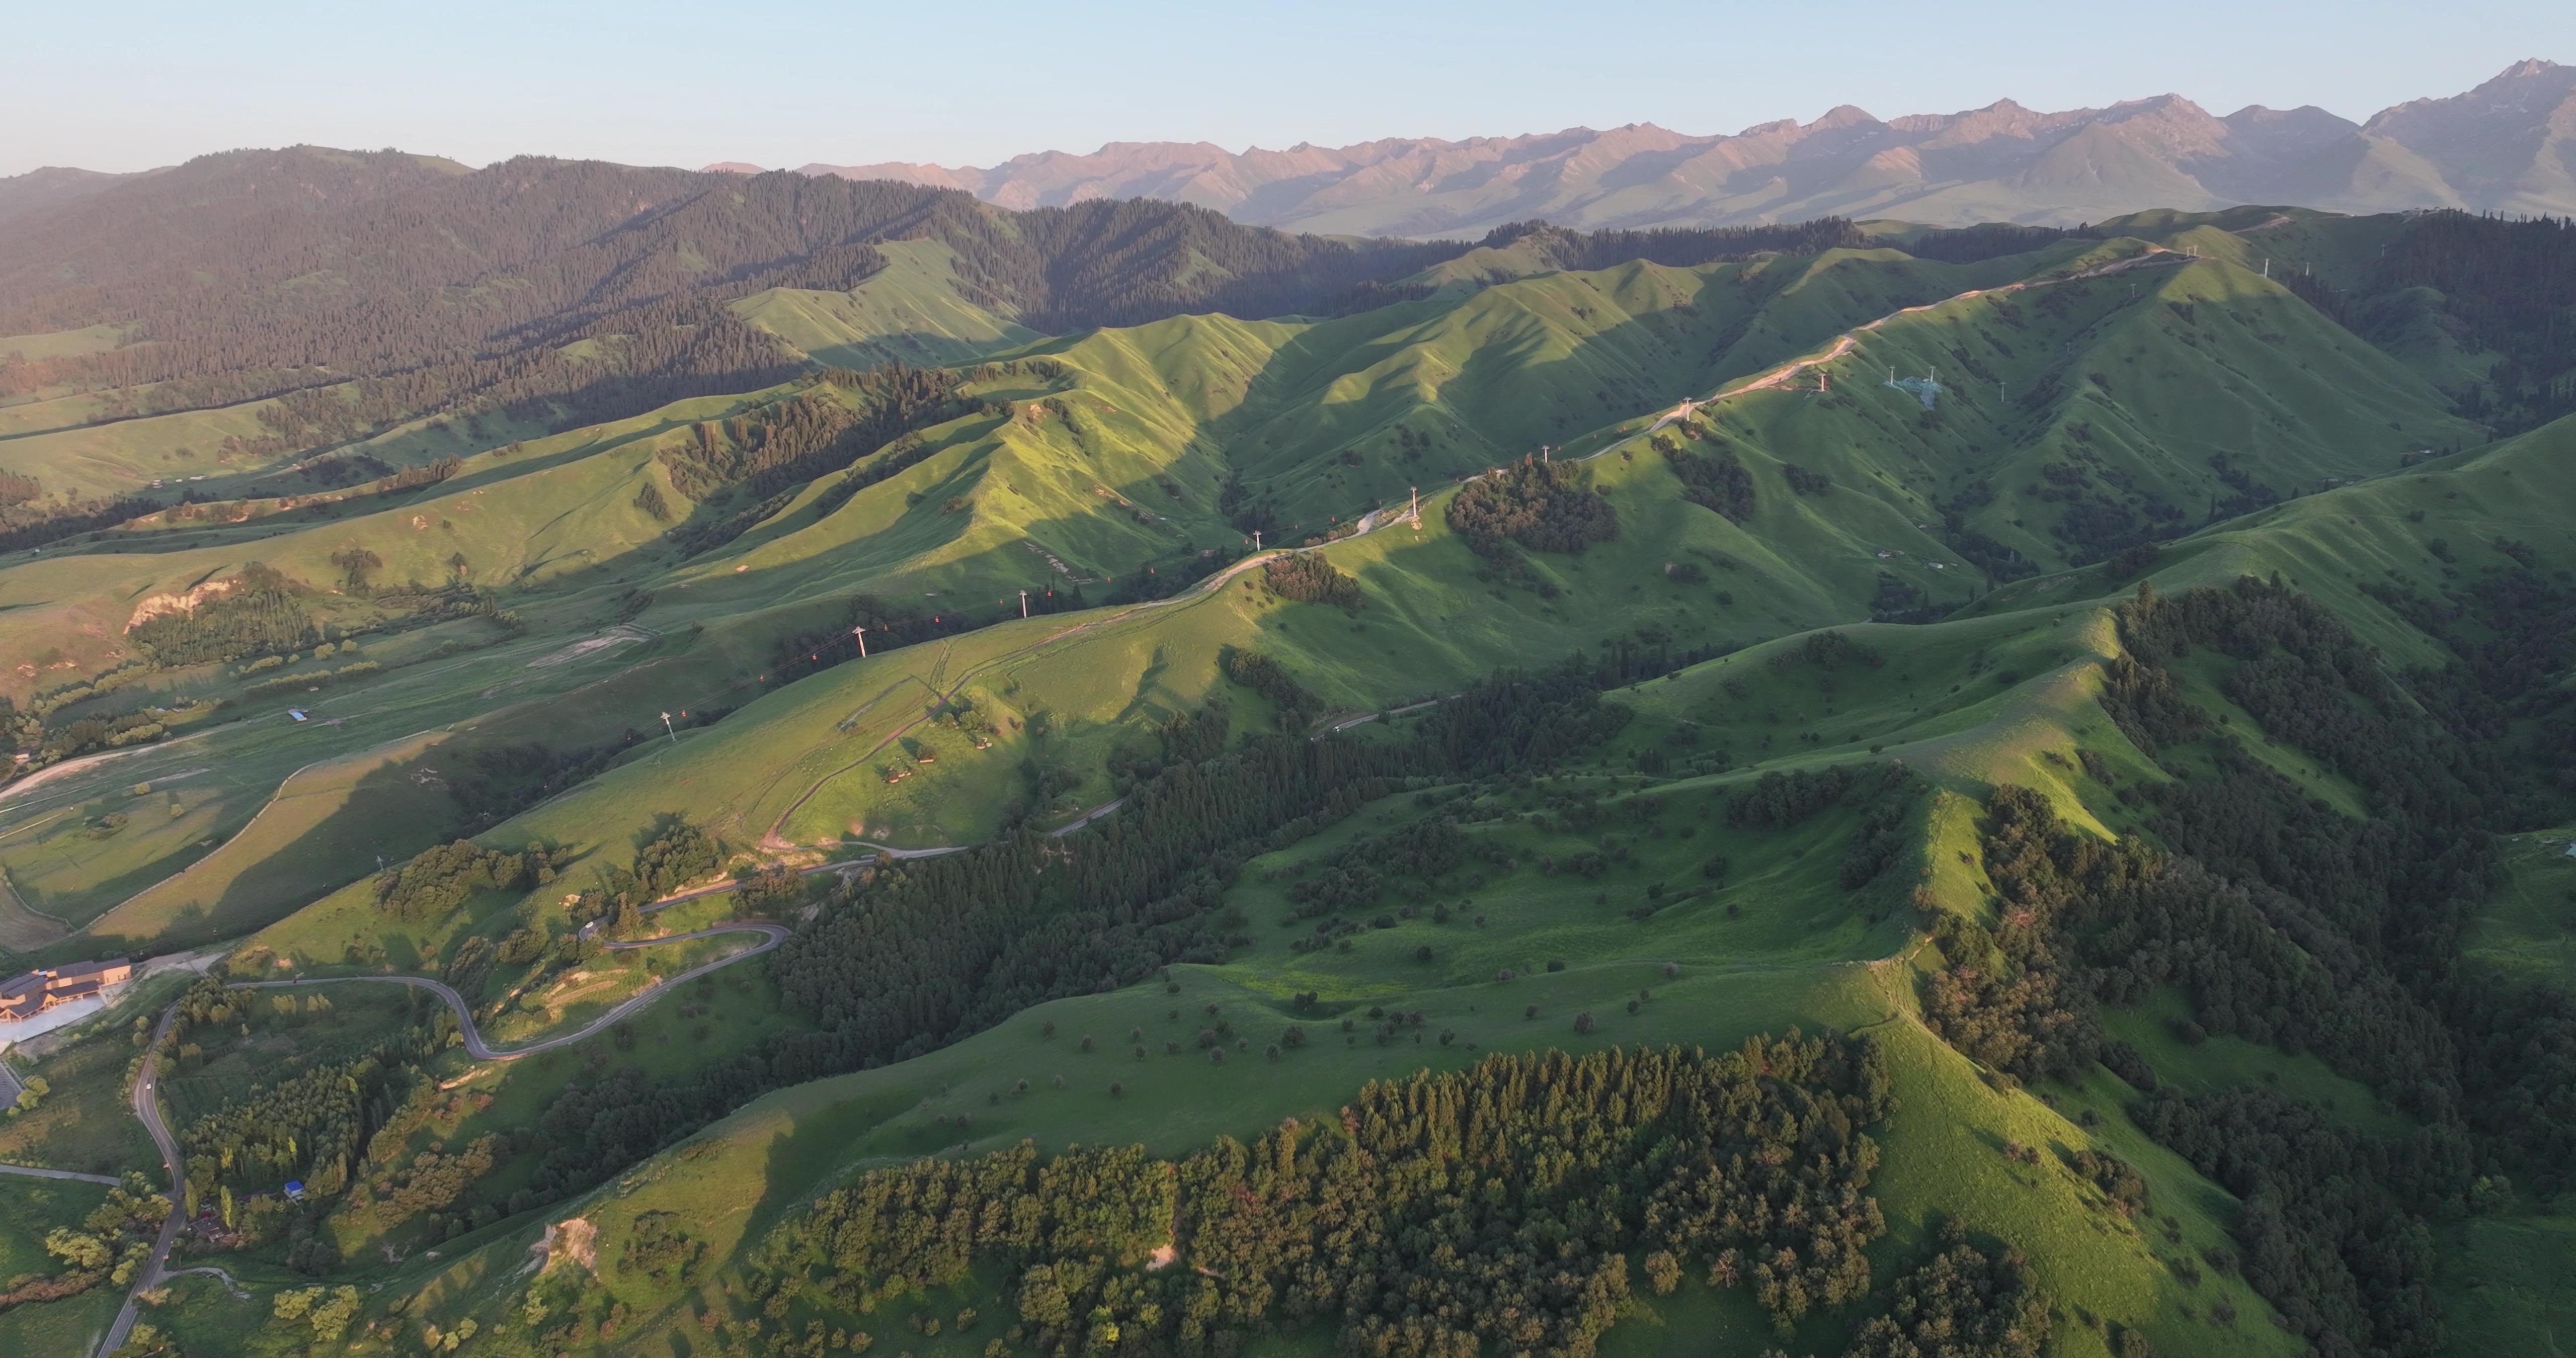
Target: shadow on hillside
x=303, y=845
x=1503, y=394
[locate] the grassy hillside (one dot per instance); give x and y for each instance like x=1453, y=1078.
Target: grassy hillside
x=1773, y=945
x=910, y=311
x=2006, y=695
x=1114, y=462
x=1122, y=455
x=1808, y=644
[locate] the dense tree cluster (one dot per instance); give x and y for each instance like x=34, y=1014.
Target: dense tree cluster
x=1989, y=240
x=2500, y=284
x=2512, y=634
x=1677, y=246
x=2333, y=1226
x=1715, y=481
x=1412, y=856
x=1543, y=506
x=34, y=523
x=1489, y=1209
x=891, y=624
x=257, y=613
x=668, y=856
x=2343, y=1255
x=1828, y=651
x=1806, y=480
x=795, y=440
x=1308, y=578
x=439, y=879
x=1543, y=245
x=312, y=1121
x=1782, y=798
x=1963, y=1302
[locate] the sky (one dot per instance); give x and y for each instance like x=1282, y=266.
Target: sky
x=649, y=82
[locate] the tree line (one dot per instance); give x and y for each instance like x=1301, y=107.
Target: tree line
x=1490, y=1209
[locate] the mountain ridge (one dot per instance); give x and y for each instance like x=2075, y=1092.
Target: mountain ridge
x=2502, y=146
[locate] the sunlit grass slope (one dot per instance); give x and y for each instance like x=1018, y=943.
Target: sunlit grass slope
x=908, y=312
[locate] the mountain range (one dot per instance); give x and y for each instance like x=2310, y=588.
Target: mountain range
x=2507, y=146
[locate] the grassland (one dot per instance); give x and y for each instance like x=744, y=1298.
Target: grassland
x=1762, y=954
x=1102, y=455
x=2004, y=693
x=1116, y=463
x=911, y=311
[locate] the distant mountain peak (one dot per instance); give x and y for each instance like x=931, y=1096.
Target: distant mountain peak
x=1841, y=116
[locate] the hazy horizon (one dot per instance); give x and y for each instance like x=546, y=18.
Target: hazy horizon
x=663, y=84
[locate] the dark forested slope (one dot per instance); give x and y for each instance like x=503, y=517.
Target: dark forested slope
x=258, y=272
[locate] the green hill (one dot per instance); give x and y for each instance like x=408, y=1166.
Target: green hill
x=2142, y=743
x=910, y=311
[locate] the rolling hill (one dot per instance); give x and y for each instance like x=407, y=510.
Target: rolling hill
x=2008, y=790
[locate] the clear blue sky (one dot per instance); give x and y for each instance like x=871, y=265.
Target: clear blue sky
x=658, y=83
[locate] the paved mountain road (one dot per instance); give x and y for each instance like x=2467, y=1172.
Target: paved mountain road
x=772, y=936
x=147, y=1105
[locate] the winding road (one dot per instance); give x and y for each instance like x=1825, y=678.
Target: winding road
x=771, y=936
x=1844, y=342
x=147, y=1105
